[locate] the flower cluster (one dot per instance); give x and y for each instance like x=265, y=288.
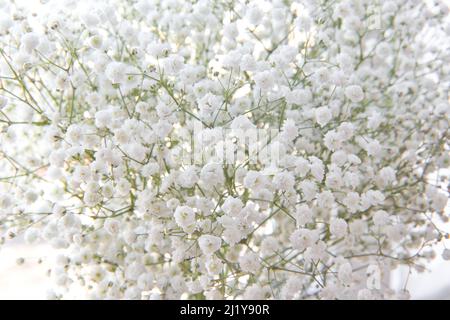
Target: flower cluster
x=99, y=101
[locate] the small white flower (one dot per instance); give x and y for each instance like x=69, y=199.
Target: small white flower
x=112, y=226
x=325, y=199
x=338, y=227
x=303, y=215
x=264, y=80
x=249, y=262
x=354, y=93
x=209, y=244
x=303, y=238
x=116, y=72
x=380, y=218
x=232, y=206
x=323, y=115
x=351, y=201
x=184, y=216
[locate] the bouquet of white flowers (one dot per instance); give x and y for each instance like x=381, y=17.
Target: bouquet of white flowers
x=222, y=149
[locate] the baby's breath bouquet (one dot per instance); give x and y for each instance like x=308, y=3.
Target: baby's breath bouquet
x=221, y=149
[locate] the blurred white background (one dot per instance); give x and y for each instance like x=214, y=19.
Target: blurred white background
x=30, y=280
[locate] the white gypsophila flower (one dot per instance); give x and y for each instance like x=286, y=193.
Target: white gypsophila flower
x=264, y=80
x=338, y=227
x=249, y=262
x=184, y=216
x=303, y=215
x=209, y=244
x=112, y=226
x=351, y=201
x=354, y=93
x=323, y=115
